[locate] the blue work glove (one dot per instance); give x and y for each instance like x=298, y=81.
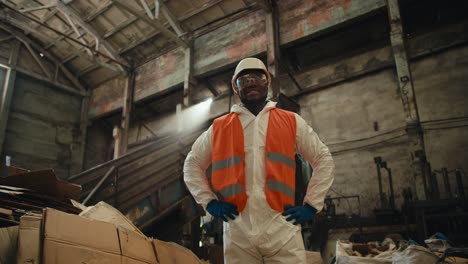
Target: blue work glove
x=300, y=214
x=222, y=209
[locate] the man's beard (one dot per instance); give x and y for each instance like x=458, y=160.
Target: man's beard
x=254, y=102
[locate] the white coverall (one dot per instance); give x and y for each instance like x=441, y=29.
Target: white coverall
x=260, y=234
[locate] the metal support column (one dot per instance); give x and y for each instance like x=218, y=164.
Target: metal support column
x=83, y=129
x=7, y=93
x=188, y=66
x=273, y=47
x=127, y=112
x=405, y=82
x=445, y=177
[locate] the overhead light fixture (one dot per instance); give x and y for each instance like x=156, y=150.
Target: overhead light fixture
x=41, y=54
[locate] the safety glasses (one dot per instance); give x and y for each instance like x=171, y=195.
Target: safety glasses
x=251, y=79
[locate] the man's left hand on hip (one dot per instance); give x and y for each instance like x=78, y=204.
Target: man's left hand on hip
x=299, y=214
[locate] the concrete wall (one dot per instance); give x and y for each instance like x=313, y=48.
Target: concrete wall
x=43, y=127
x=442, y=97
x=344, y=116
x=99, y=145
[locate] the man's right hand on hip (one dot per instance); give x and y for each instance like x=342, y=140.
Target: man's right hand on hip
x=222, y=209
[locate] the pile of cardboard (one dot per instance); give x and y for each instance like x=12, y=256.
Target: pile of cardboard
x=99, y=234
x=58, y=237
x=33, y=191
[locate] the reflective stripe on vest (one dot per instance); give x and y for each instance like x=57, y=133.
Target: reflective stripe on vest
x=228, y=161
x=231, y=190
x=223, y=164
x=278, y=157
x=278, y=186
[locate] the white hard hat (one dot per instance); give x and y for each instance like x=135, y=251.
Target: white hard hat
x=250, y=64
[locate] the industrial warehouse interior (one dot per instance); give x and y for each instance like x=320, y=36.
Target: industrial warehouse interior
x=102, y=103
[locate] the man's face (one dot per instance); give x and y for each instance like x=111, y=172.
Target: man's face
x=252, y=86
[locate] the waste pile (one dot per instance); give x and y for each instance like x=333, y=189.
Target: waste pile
x=32, y=192
x=438, y=250
x=42, y=222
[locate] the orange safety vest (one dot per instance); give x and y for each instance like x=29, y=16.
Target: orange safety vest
x=227, y=169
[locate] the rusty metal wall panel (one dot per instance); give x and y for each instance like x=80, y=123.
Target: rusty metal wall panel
x=160, y=74
x=343, y=69
x=230, y=43
x=299, y=19
x=107, y=98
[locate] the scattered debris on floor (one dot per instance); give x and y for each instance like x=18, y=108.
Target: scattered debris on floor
x=400, y=252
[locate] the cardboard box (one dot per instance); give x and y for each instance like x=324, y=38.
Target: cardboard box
x=135, y=247
x=73, y=239
x=72, y=229
x=172, y=253
x=8, y=244
x=56, y=252
x=15, y=170
x=29, y=239
x=44, y=182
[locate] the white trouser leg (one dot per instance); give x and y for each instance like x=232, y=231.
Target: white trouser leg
x=292, y=252
x=238, y=249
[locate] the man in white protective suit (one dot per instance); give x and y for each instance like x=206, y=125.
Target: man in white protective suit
x=250, y=180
